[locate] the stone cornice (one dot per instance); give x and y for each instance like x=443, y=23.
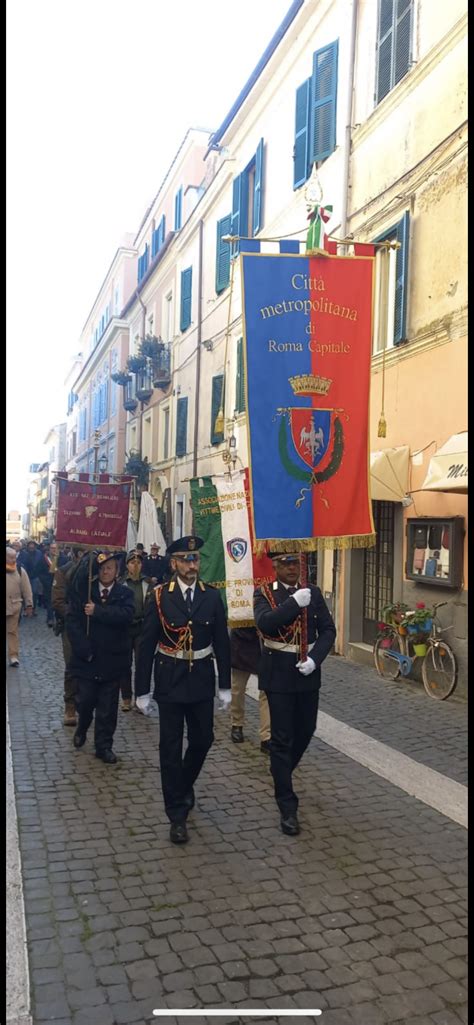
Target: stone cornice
x=441, y=332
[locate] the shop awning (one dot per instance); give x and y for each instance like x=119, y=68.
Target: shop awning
x=448, y=467
x=389, y=474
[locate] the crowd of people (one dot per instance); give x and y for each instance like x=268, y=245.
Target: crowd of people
x=141, y=626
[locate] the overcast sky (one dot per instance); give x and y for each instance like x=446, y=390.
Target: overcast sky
x=99, y=96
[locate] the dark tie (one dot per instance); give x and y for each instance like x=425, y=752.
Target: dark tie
x=105, y=594
x=292, y=590
x=189, y=599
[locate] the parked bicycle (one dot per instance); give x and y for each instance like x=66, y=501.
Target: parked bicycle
x=395, y=654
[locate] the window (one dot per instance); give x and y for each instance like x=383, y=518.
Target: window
x=111, y=462
x=239, y=380
x=82, y=424
x=393, y=44
x=117, y=301
x=179, y=517
x=74, y=443
x=178, y=209
x=247, y=199
x=391, y=288
x=182, y=427
x=216, y=400
x=222, y=254
x=158, y=237
x=186, y=296
x=166, y=433
x=168, y=318
x=143, y=263
x=315, y=114
x=147, y=437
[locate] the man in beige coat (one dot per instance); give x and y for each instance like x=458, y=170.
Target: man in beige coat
x=18, y=591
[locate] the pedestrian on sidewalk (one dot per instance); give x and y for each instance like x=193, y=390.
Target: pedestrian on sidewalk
x=245, y=656
x=100, y=651
x=59, y=596
x=291, y=684
x=32, y=560
x=141, y=587
x=18, y=591
x=186, y=620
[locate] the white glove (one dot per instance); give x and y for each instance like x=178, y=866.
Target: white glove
x=143, y=704
x=302, y=597
x=225, y=697
x=306, y=667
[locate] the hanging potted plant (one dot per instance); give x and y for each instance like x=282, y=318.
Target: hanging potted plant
x=144, y=390
x=121, y=377
x=136, y=363
x=151, y=347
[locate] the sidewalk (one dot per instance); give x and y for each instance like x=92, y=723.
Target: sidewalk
x=361, y=916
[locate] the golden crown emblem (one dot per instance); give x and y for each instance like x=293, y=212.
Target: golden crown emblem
x=310, y=384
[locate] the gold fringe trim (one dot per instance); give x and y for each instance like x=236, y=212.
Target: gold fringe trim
x=314, y=544
x=236, y=623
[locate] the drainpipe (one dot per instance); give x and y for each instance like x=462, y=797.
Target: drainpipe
x=198, y=354
x=348, y=132
x=142, y=304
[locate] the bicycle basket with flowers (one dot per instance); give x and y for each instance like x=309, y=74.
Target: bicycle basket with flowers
x=419, y=622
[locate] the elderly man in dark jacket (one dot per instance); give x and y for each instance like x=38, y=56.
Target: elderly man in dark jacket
x=291, y=682
x=98, y=632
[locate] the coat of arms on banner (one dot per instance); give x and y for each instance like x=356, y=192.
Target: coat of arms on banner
x=237, y=548
x=316, y=433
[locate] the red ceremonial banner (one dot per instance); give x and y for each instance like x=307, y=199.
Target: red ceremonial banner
x=92, y=514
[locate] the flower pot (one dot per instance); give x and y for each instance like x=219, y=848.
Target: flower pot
x=420, y=649
x=385, y=642
x=402, y=631
x=413, y=628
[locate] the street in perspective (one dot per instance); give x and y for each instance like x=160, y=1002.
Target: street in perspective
x=236, y=515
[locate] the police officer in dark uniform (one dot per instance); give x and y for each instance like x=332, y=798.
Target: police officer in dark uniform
x=185, y=624
x=291, y=684
x=98, y=633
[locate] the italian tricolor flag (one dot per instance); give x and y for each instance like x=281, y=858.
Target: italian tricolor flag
x=221, y=517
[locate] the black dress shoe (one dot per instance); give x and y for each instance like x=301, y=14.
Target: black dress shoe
x=237, y=734
x=178, y=832
x=265, y=747
x=107, y=756
x=79, y=738
x=290, y=825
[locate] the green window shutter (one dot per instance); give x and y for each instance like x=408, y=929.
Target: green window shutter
x=240, y=381
x=222, y=254
x=394, y=33
x=186, y=295
x=181, y=427
x=401, y=285
x=301, y=165
x=257, y=218
x=236, y=217
x=217, y=398
x=323, y=102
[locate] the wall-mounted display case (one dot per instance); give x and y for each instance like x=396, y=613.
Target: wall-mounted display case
x=435, y=550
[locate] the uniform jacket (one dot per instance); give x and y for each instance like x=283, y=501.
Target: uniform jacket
x=156, y=566
x=180, y=680
x=277, y=670
x=18, y=590
x=245, y=651
x=140, y=589
x=61, y=581
x=104, y=653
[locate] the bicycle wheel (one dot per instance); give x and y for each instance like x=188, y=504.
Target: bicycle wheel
x=387, y=666
x=439, y=671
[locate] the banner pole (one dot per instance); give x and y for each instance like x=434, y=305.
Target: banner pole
x=304, y=612
x=89, y=590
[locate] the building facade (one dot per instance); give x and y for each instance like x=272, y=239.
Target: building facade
x=372, y=98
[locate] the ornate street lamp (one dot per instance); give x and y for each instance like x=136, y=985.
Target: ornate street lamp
x=103, y=463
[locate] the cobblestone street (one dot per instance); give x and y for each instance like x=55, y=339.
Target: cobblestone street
x=362, y=916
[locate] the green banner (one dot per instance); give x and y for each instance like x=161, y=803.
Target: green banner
x=207, y=524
